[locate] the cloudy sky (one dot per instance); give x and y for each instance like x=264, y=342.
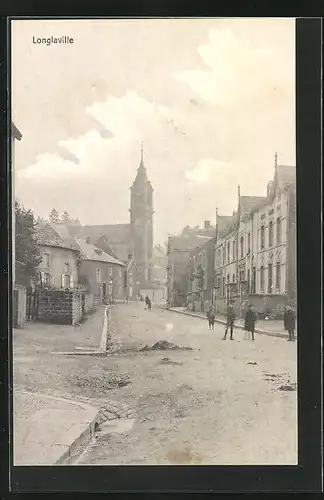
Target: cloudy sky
x=212, y=99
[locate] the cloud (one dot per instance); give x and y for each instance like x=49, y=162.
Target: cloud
x=237, y=70
x=205, y=170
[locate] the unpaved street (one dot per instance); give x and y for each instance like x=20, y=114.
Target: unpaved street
x=219, y=403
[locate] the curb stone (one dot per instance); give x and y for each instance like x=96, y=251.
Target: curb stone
x=241, y=327
x=78, y=443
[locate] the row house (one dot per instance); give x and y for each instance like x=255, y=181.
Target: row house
x=201, y=277
x=102, y=275
x=59, y=265
x=178, y=261
x=255, y=255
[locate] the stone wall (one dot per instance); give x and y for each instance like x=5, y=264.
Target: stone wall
x=89, y=305
x=62, y=307
x=263, y=304
x=77, y=313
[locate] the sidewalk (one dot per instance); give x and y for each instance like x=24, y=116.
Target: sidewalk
x=47, y=426
x=273, y=328
x=49, y=430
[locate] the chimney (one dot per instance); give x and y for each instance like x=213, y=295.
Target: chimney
x=207, y=224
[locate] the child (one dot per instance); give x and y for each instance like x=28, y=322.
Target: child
x=211, y=317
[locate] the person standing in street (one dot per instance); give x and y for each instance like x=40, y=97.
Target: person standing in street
x=290, y=322
x=230, y=318
x=211, y=317
x=250, y=320
x=148, y=302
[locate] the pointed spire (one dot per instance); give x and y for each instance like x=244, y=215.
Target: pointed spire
x=276, y=159
x=142, y=155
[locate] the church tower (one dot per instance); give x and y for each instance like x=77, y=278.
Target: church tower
x=141, y=221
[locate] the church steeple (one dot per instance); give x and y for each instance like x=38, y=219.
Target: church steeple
x=141, y=176
x=141, y=221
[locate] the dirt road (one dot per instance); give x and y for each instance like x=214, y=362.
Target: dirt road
x=219, y=403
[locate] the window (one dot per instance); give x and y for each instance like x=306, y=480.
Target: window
x=66, y=267
x=224, y=287
x=46, y=259
x=130, y=279
x=278, y=208
x=224, y=254
x=233, y=278
x=262, y=234
x=270, y=233
x=262, y=279
x=248, y=281
x=253, y=281
x=47, y=279
x=98, y=274
x=234, y=250
x=110, y=289
x=67, y=281
x=228, y=252
x=269, y=278
x=228, y=278
x=278, y=276
x=271, y=211
x=242, y=246
x=110, y=271
x=262, y=216
x=278, y=231
x=249, y=243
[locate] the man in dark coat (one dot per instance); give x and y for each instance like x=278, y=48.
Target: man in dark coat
x=290, y=322
x=230, y=318
x=148, y=302
x=250, y=320
x=211, y=317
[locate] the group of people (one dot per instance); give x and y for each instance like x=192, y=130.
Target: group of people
x=250, y=320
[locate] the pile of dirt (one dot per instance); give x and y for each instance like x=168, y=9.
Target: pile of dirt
x=168, y=361
x=288, y=387
x=112, y=380
x=164, y=345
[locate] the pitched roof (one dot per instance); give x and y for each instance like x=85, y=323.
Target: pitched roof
x=249, y=203
x=286, y=175
x=186, y=243
x=46, y=235
x=91, y=252
x=65, y=234
x=16, y=134
x=223, y=222
x=114, y=233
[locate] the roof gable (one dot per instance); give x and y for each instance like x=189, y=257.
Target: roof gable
x=91, y=252
x=46, y=235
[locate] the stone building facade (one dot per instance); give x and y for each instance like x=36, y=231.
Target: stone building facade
x=179, y=266
x=255, y=254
